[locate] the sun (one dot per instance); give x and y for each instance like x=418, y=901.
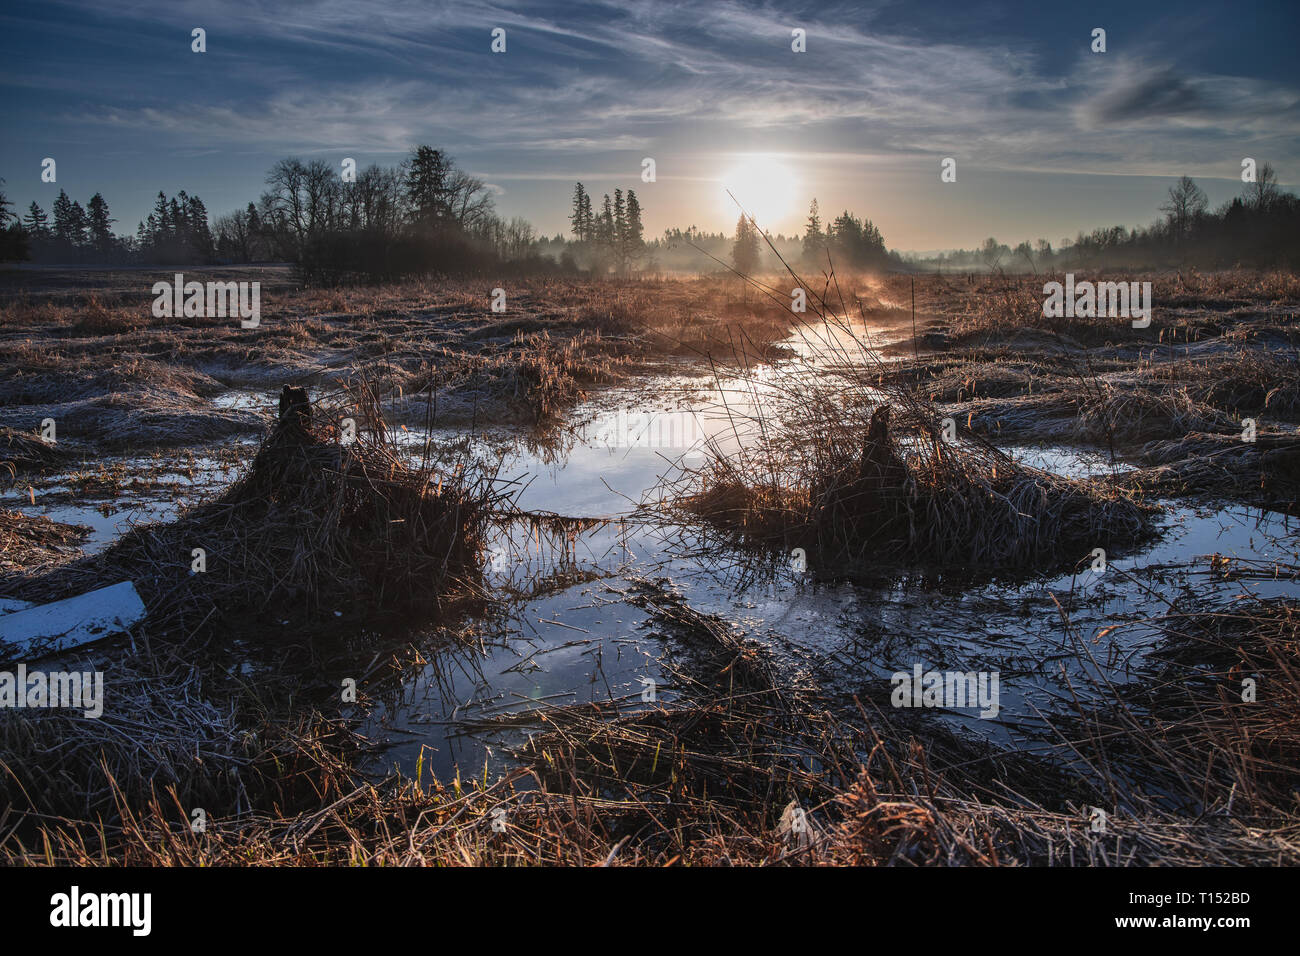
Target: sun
x=765, y=188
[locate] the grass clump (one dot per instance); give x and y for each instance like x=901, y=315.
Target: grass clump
x=861, y=472
x=313, y=526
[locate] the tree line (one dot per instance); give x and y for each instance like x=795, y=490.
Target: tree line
x=427, y=215
x=1258, y=228
x=424, y=215
x=611, y=239
x=846, y=243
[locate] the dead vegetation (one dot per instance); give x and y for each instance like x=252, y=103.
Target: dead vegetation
x=864, y=474
x=980, y=311
x=31, y=543
x=738, y=767
x=24, y=453
x=733, y=771
x=314, y=526
x=112, y=375
x=1220, y=354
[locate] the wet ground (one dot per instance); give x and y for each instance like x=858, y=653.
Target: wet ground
x=563, y=628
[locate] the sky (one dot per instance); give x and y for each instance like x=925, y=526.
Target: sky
x=1049, y=138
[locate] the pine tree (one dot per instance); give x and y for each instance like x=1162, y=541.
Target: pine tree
x=13, y=238
x=65, y=219
x=744, y=254
x=101, y=235
x=176, y=216
x=160, y=229
x=581, y=212
x=196, y=219
x=36, y=222
x=80, y=225
x=427, y=180
x=605, y=227
x=634, y=241
x=620, y=231
x=813, y=238
x=256, y=232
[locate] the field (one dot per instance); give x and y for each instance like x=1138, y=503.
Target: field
x=572, y=639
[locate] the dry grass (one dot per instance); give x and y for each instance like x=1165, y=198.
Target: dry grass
x=978, y=310
x=858, y=473
x=26, y=452
x=852, y=467
x=313, y=526
x=30, y=543
x=735, y=771
x=125, y=378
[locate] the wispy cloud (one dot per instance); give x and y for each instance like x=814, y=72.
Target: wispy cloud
x=591, y=87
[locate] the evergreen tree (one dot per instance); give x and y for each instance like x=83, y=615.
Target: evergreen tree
x=160, y=229
x=196, y=220
x=619, y=239
x=37, y=222
x=427, y=186
x=101, y=235
x=634, y=242
x=744, y=254
x=13, y=237
x=581, y=216
x=605, y=227
x=256, y=233
x=813, y=238
x=65, y=220
x=80, y=225
x=178, y=232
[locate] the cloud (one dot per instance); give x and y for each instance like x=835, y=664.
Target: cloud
x=586, y=90
x=1155, y=94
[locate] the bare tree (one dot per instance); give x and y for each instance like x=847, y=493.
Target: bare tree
x=378, y=197
x=1186, y=201
x=519, y=236
x=234, y=237
x=469, y=199
x=1263, y=192
x=323, y=195
x=283, y=205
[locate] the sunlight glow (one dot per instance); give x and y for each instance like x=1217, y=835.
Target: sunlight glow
x=766, y=189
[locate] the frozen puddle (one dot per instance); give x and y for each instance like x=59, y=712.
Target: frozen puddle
x=121, y=492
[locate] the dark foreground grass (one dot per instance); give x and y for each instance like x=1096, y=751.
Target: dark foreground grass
x=735, y=771
x=316, y=528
